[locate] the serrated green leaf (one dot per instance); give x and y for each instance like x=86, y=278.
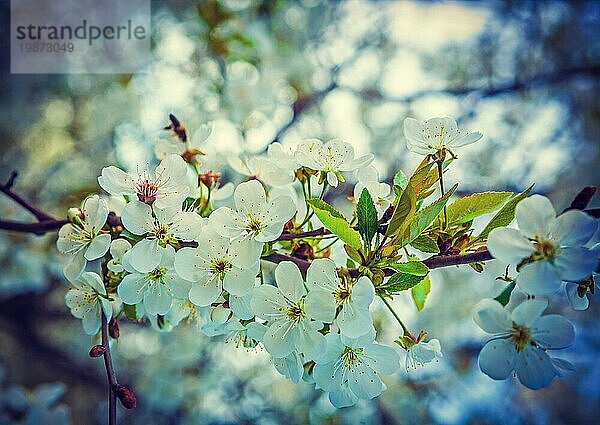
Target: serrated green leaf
x=403, y=212
x=419, y=293
x=416, y=268
x=506, y=214
x=423, y=219
x=467, y=208
x=425, y=244
x=367, y=217
x=335, y=222
x=401, y=282
x=504, y=296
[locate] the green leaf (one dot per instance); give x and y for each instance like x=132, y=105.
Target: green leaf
x=335, y=221
x=424, y=218
x=400, y=182
x=401, y=282
x=425, y=244
x=128, y=235
x=367, y=217
x=353, y=253
x=403, y=212
x=130, y=312
x=505, y=215
x=504, y=296
x=466, y=209
x=420, y=291
x=416, y=268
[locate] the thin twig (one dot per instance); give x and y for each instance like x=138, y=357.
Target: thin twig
x=35, y=211
x=111, y=377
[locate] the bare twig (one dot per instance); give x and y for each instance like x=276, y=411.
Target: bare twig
x=7, y=190
x=111, y=377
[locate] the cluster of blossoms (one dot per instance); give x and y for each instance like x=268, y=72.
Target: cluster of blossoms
x=172, y=258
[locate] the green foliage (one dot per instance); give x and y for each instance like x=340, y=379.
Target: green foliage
x=415, y=268
x=504, y=296
x=367, y=218
x=401, y=282
x=130, y=312
x=423, y=219
x=505, y=215
x=128, y=235
x=400, y=182
x=403, y=212
x=425, y=244
x=420, y=291
x=335, y=222
x=467, y=208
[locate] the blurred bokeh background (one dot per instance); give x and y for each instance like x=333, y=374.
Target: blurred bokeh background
x=525, y=73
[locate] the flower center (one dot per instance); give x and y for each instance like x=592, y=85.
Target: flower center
x=157, y=274
x=147, y=191
x=545, y=248
x=254, y=225
x=295, y=312
x=220, y=267
x=521, y=336
x=351, y=356
x=161, y=233
x=343, y=293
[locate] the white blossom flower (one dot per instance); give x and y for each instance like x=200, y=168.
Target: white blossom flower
x=84, y=239
x=263, y=169
x=578, y=293
x=182, y=309
x=166, y=187
x=256, y=219
x=215, y=265
x=161, y=227
x=292, y=324
x=418, y=351
x=548, y=249
x=330, y=158
x=188, y=149
x=155, y=288
x=350, y=369
x=291, y=366
x=329, y=292
x=282, y=157
x=118, y=248
x=521, y=341
x=368, y=178
x=436, y=134
x=87, y=300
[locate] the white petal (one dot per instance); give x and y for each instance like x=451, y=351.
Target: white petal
x=465, y=140
x=332, y=179
x=382, y=358
x=249, y=197
x=343, y=397
x=365, y=382
x=529, y=311
x=535, y=216
x=539, y=278
x=144, y=256
x=92, y=320
x=206, y=291
x=289, y=280
x=118, y=247
x=65, y=243
x=266, y=302
x=245, y=252
x=577, y=302
x=187, y=226
x=95, y=211
x=281, y=338
x=492, y=317
x=98, y=247
x=363, y=293
x=227, y=222
x=116, y=181
x=553, y=332
x=311, y=342
x=239, y=281
x=534, y=368
x=75, y=267
x=509, y=245
x=189, y=265
x=322, y=274
x=320, y=305
x=574, y=228
x=291, y=367
x=497, y=359
x=354, y=322
x=131, y=289
x=137, y=218
x=158, y=299
x=576, y=263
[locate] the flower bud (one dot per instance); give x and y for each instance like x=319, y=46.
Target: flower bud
x=126, y=396
x=75, y=215
x=97, y=351
x=210, y=178
x=113, y=329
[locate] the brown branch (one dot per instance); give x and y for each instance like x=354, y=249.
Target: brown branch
x=38, y=228
x=321, y=231
x=35, y=211
x=111, y=377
